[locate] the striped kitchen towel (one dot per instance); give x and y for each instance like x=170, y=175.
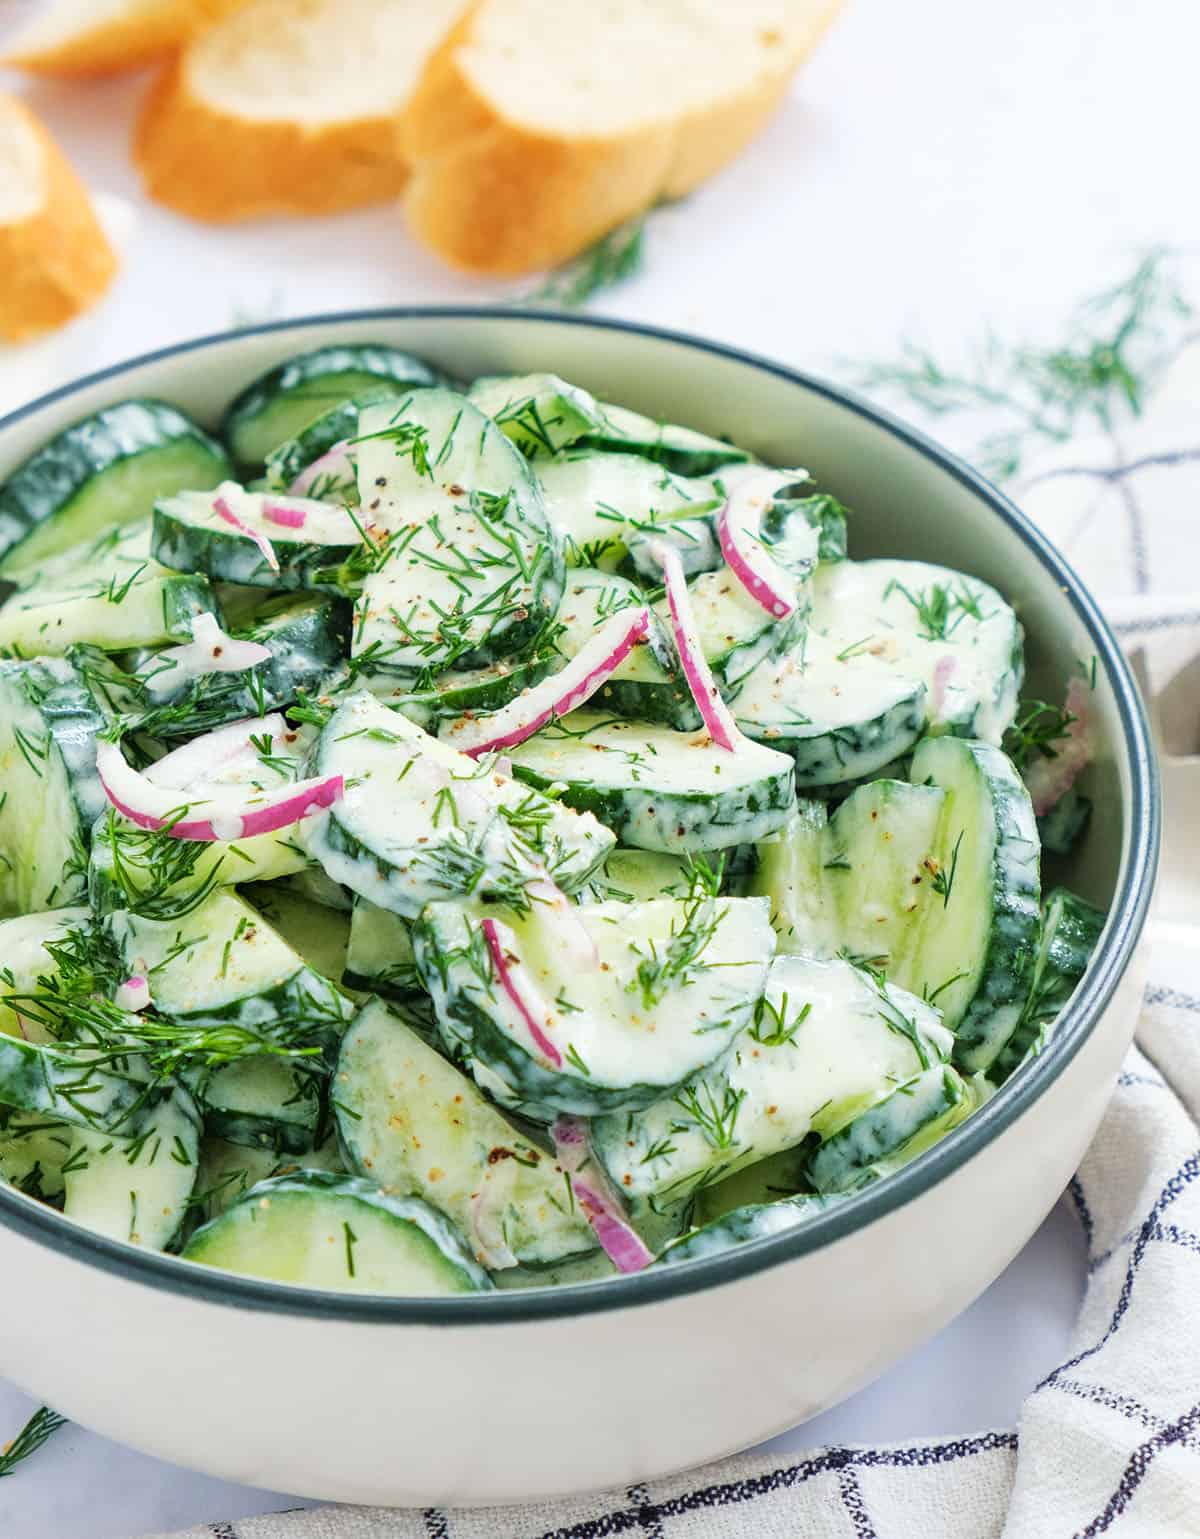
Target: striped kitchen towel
x=1109, y=1442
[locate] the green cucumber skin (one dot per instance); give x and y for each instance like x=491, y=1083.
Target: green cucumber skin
x=295, y=455
x=230, y=557
x=822, y=512
x=834, y=762
x=1004, y=984
x=58, y=1084
x=74, y=722
x=657, y=441
x=846, y=1160
x=306, y=644
x=492, y=688
x=292, y=1127
x=49, y=480
x=325, y=377
x=1071, y=929
x=352, y=1192
x=1065, y=824
x=740, y=1226
x=710, y=821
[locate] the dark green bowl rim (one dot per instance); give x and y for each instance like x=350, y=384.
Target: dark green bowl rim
x=1131, y=902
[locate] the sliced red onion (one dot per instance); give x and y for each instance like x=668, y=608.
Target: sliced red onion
x=133, y=994
x=620, y=1241
x=943, y=671
x=561, y=693
x=223, y=510
x=504, y=971
x=337, y=460
x=210, y=650
x=285, y=517
x=487, y=1214
x=203, y=756
x=739, y=529
x=716, y=715
x=154, y=806
x=1049, y=780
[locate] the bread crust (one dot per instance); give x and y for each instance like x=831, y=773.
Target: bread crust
x=213, y=165
x=123, y=43
x=57, y=262
x=497, y=197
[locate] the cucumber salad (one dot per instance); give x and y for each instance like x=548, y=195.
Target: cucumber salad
x=465, y=835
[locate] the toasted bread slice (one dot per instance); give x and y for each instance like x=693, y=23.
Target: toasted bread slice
x=55, y=259
x=289, y=106
x=538, y=125
x=101, y=37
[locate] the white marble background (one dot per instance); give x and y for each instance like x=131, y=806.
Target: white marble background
x=943, y=166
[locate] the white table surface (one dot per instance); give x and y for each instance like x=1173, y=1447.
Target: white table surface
x=941, y=167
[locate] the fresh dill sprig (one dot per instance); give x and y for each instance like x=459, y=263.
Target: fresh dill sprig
x=1036, y=731
x=716, y=1119
x=613, y=259
x=1114, y=349
x=772, y=1028
x=675, y=964
x=40, y=1427
x=943, y=878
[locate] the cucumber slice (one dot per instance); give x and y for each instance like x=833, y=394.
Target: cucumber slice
x=1061, y=829
x=597, y=503
x=70, y=1085
x=223, y=965
x=952, y=632
x=648, y=684
x=50, y=794
x=682, y=450
x=975, y=948
x=419, y=822
x=828, y=1041
x=879, y=862
x=460, y=690
x=151, y=606
x=306, y=636
x=842, y=715
x=742, y=1225
x=318, y=934
x=1071, y=931
x=335, y=427
x=414, y=1123
x=641, y=876
x=284, y=400
x=107, y=469
x=189, y=533
x=228, y=1171
x=790, y=874
x=473, y=571
x=777, y=1177
x=620, y=1003
x=263, y=1103
x=540, y=413
x=659, y=789
x=892, y=1132
x=24, y=959
x=341, y=1233
x=737, y=635
x=33, y=1151
x=380, y=953
x=137, y=1189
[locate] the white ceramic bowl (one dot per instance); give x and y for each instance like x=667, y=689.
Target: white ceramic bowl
x=523, y=1395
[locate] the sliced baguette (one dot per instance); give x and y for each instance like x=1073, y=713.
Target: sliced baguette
x=55, y=259
x=289, y=106
x=101, y=37
x=524, y=152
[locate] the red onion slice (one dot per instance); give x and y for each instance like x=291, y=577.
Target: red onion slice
x=1049, y=780
x=222, y=509
x=739, y=529
x=620, y=1241
x=203, y=756
x=211, y=650
x=716, y=715
x=334, y=461
x=561, y=693
x=133, y=994
x=285, y=517
x=504, y=972
x=157, y=807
